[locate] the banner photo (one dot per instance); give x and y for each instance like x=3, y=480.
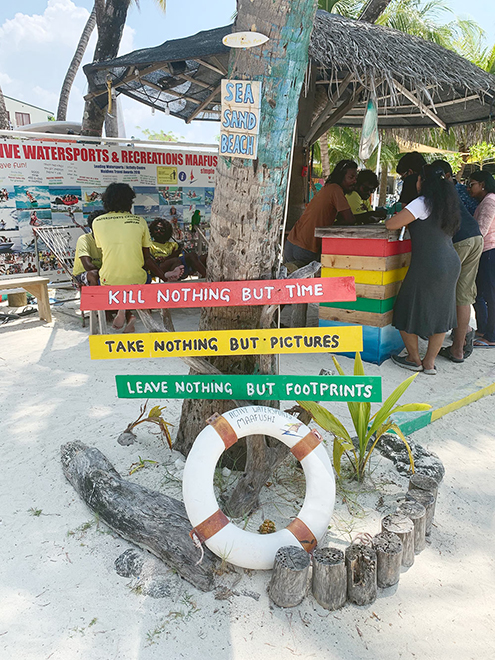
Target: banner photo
x=283, y=388
x=48, y=183
x=344, y=339
x=218, y=294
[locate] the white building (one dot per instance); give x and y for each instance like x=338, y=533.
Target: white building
x=21, y=114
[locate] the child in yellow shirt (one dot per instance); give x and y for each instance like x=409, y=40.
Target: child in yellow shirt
x=168, y=253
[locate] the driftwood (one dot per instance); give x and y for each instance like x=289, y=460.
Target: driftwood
x=427, y=499
x=398, y=524
x=149, y=519
x=329, y=578
x=417, y=514
x=389, y=550
x=360, y=563
x=289, y=581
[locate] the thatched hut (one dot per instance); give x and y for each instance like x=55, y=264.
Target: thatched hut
x=417, y=84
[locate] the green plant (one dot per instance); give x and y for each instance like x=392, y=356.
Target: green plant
x=369, y=429
x=35, y=512
x=141, y=463
x=154, y=417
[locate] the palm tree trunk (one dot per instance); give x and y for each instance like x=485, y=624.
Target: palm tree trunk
x=110, y=20
x=63, y=101
x=4, y=116
x=249, y=195
x=325, y=160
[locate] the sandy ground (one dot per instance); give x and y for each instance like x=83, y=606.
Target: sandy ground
x=61, y=598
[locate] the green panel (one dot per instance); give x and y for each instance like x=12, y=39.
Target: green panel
x=365, y=305
x=307, y=388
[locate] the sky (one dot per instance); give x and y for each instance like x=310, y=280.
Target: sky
x=38, y=39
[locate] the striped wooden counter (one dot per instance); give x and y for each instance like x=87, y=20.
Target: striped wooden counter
x=378, y=261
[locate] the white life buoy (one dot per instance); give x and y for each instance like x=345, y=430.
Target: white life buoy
x=212, y=527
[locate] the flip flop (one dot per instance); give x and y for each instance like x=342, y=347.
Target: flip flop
x=468, y=346
x=406, y=364
x=482, y=343
x=445, y=352
x=430, y=372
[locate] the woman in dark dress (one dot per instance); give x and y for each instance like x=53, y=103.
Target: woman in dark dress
x=426, y=304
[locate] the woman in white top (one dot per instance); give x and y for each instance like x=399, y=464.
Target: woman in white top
x=426, y=304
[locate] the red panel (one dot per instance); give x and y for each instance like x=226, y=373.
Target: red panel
x=218, y=294
x=364, y=247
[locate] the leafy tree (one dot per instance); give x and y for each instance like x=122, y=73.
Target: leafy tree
x=170, y=136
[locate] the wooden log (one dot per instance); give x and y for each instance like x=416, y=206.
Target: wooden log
x=147, y=518
x=428, y=501
x=420, y=481
x=416, y=512
x=289, y=581
x=396, y=523
x=329, y=578
x=389, y=551
x=360, y=563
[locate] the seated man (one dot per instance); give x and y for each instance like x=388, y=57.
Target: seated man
x=87, y=261
x=168, y=253
x=125, y=243
x=359, y=199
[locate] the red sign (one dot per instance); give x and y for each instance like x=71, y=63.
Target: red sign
x=218, y=294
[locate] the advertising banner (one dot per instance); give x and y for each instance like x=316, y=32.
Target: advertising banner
x=48, y=183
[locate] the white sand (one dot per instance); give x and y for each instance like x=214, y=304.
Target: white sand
x=61, y=598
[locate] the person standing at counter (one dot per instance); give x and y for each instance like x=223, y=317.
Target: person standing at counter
x=359, y=199
x=482, y=188
x=409, y=168
x=302, y=247
x=426, y=302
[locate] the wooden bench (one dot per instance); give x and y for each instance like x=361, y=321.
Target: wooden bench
x=37, y=287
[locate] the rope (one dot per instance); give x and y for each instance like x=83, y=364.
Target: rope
x=197, y=544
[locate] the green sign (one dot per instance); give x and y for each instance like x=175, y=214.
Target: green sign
x=307, y=388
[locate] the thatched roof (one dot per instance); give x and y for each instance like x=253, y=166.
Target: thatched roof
x=418, y=84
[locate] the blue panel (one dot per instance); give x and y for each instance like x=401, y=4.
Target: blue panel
x=378, y=343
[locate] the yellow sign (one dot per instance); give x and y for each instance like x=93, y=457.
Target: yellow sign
x=166, y=176
x=342, y=339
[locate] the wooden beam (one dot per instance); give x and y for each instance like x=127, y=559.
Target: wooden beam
x=349, y=101
x=424, y=109
x=128, y=78
x=209, y=66
x=217, y=63
x=203, y=105
x=329, y=106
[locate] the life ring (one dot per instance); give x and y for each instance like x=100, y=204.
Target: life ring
x=212, y=527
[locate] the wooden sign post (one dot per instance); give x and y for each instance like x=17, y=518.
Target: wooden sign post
x=226, y=342
x=217, y=294
x=240, y=122
x=271, y=388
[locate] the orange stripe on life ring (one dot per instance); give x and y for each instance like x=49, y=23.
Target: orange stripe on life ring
x=303, y=534
x=224, y=429
x=210, y=526
x=306, y=445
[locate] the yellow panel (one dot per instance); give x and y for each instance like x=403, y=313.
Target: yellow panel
x=346, y=339
x=375, y=277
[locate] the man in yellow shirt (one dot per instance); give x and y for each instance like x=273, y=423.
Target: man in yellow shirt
x=359, y=199
x=87, y=261
x=125, y=243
